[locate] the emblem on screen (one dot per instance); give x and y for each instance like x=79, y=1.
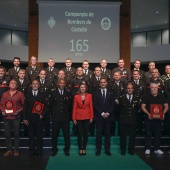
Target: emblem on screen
x=51, y=22
x=106, y=23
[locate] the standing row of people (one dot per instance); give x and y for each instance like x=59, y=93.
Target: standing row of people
x=45, y=81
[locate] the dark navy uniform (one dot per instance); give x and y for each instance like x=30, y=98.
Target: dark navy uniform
x=60, y=107
x=106, y=73
x=51, y=74
x=139, y=90
x=46, y=88
x=13, y=73
x=75, y=83
x=118, y=88
x=23, y=85
x=141, y=74
x=94, y=84
x=70, y=74
x=128, y=120
x=87, y=74
x=32, y=73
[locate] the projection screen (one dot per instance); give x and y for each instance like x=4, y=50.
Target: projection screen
x=80, y=30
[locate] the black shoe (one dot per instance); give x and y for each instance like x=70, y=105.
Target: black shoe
x=98, y=153
x=108, y=153
x=54, y=152
x=32, y=154
x=131, y=152
x=67, y=153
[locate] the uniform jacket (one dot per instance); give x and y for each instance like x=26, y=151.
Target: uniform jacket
x=32, y=74
x=12, y=73
x=60, y=105
x=128, y=110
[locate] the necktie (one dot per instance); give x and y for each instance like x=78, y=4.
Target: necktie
x=34, y=94
x=104, y=95
x=136, y=81
x=61, y=92
x=85, y=72
x=21, y=81
x=117, y=83
x=130, y=98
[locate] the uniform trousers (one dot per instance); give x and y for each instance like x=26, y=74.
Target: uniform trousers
x=124, y=128
x=56, y=126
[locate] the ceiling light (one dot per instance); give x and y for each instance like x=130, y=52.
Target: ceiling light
x=137, y=26
x=157, y=12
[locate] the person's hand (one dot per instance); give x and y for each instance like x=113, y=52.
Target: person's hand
x=16, y=112
x=163, y=116
x=26, y=122
x=41, y=116
x=149, y=116
x=75, y=122
x=91, y=120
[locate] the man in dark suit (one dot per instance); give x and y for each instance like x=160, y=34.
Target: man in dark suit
x=33, y=119
x=13, y=72
x=60, y=104
x=32, y=71
x=103, y=114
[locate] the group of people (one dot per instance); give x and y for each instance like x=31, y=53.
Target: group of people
x=91, y=99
